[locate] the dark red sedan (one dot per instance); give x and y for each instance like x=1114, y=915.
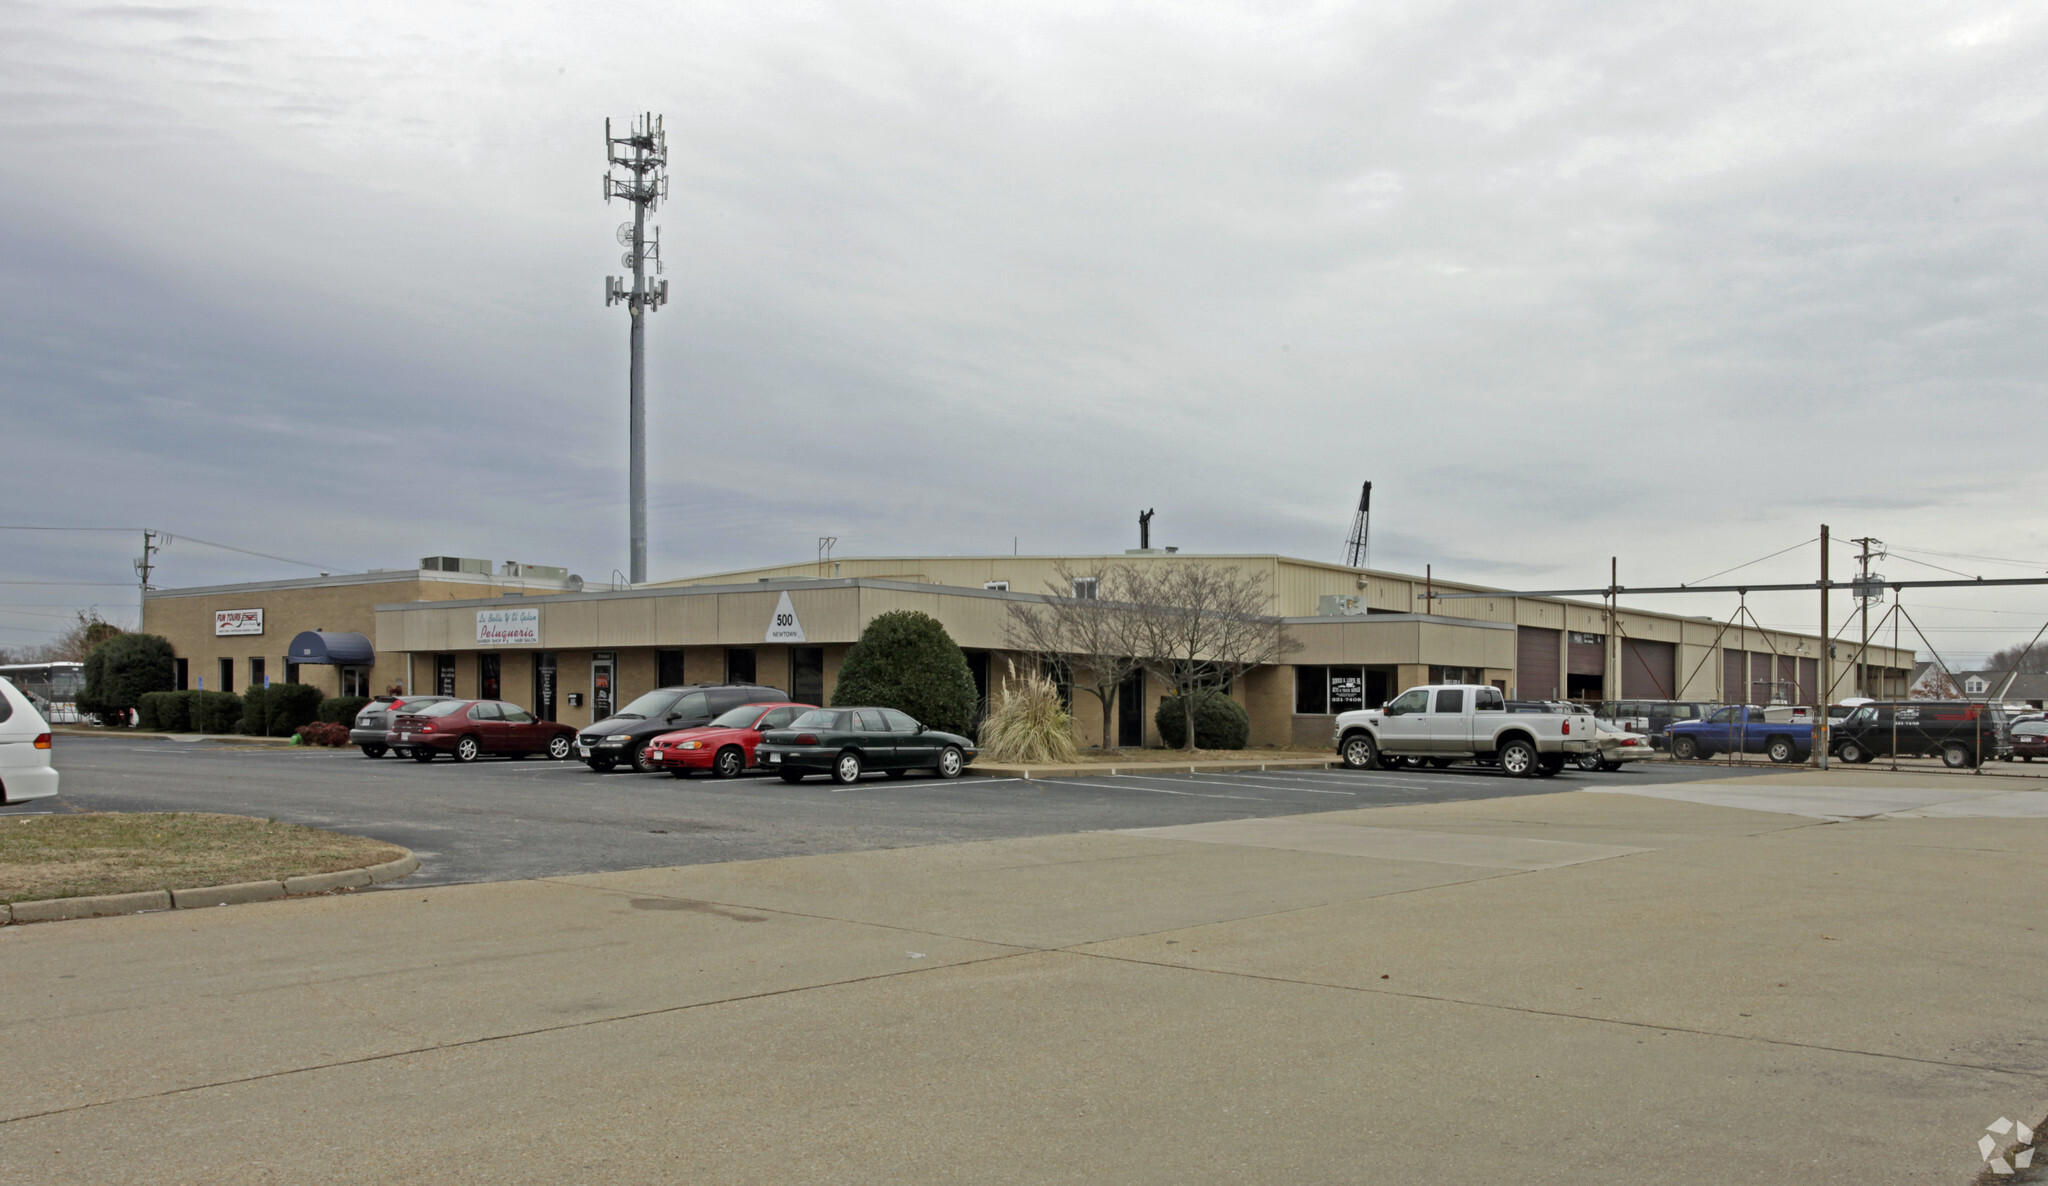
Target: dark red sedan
x=468, y=729
x=2030, y=740
x=726, y=745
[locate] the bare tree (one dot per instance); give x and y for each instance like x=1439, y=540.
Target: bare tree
x=1085, y=627
x=1199, y=626
x=78, y=641
x=2028, y=661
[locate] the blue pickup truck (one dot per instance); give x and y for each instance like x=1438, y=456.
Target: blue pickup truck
x=1740, y=729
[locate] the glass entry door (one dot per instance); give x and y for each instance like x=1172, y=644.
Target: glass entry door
x=544, y=685
x=1130, y=712
x=601, y=667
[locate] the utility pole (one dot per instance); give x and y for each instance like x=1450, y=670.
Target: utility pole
x=1863, y=595
x=1610, y=685
x=643, y=153
x=143, y=568
x=1821, y=740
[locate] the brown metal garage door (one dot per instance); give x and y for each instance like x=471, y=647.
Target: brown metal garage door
x=1761, y=685
x=1536, y=675
x=1649, y=670
x=1588, y=657
x=1809, y=680
x=1732, y=684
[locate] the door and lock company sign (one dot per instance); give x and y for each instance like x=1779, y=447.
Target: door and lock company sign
x=784, y=627
x=237, y=621
x=508, y=627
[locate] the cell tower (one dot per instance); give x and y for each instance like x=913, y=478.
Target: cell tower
x=1361, y=530
x=643, y=153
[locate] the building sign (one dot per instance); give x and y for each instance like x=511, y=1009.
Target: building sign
x=508, y=627
x=784, y=627
x=237, y=621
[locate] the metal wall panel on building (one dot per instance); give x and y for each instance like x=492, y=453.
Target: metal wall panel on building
x=1587, y=657
x=1536, y=674
x=1649, y=669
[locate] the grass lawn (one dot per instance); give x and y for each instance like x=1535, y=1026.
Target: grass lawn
x=65, y=856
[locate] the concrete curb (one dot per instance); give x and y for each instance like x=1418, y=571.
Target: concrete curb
x=104, y=905
x=997, y=770
x=183, y=738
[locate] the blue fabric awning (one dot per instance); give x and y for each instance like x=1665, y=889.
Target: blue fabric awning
x=326, y=646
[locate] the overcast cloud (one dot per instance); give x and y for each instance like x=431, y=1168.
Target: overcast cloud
x=1678, y=282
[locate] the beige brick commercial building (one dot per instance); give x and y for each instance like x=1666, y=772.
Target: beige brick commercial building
x=1362, y=636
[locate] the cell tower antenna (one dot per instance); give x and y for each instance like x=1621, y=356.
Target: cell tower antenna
x=1361, y=530
x=642, y=155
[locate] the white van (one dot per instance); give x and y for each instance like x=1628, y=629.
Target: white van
x=25, y=770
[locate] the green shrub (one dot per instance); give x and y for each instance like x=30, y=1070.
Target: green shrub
x=1029, y=723
x=216, y=712
x=166, y=712
x=342, y=710
x=906, y=661
x=255, y=711
x=1220, y=722
x=123, y=669
x=291, y=705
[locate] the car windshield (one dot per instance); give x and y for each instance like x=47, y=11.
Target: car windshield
x=817, y=718
x=441, y=708
x=738, y=718
x=653, y=704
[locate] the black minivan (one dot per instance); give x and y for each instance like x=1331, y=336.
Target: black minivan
x=621, y=736
x=1959, y=732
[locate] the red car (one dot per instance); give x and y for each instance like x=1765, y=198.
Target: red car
x=726, y=745
x=469, y=729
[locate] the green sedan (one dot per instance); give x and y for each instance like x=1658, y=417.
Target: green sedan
x=848, y=742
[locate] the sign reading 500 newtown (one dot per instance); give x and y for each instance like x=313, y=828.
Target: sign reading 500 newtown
x=508, y=627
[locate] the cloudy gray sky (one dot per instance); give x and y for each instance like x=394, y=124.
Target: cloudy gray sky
x=1565, y=280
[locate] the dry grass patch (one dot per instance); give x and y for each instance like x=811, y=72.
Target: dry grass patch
x=67, y=856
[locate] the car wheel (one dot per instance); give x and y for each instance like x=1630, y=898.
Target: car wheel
x=468, y=750
x=1955, y=757
x=1781, y=751
x=729, y=762
x=640, y=763
x=1685, y=749
x=422, y=754
x=1549, y=765
x=1518, y=758
x=602, y=765
x=790, y=775
x=846, y=770
x=558, y=746
x=1589, y=762
x=951, y=762
x=374, y=751
x=1849, y=752
x=1358, y=752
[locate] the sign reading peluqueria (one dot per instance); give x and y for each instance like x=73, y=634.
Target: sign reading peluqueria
x=237, y=621
x=508, y=627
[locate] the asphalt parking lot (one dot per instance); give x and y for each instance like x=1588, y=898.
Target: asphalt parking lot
x=498, y=820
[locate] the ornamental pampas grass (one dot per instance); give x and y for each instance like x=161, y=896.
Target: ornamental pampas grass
x=1028, y=724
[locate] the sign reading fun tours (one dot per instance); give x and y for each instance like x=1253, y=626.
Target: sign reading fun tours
x=237, y=621
x=784, y=627
x=508, y=627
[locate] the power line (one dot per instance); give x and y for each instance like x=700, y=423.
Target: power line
x=1971, y=556
x=168, y=537
x=1760, y=560
x=68, y=584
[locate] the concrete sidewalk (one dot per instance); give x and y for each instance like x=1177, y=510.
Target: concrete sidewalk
x=1562, y=988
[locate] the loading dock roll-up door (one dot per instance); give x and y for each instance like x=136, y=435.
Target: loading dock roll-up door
x=1536, y=673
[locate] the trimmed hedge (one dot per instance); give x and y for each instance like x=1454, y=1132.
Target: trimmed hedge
x=1220, y=722
x=215, y=712
x=255, y=712
x=165, y=712
x=291, y=705
x=342, y=710
x=905, y=660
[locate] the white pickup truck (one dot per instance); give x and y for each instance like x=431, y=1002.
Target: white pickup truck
x=1445, y=723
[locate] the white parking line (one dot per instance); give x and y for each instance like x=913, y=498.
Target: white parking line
x=1067, y=782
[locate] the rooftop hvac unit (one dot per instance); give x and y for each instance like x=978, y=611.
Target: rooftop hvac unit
x=455, y=564
x=543, y=572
